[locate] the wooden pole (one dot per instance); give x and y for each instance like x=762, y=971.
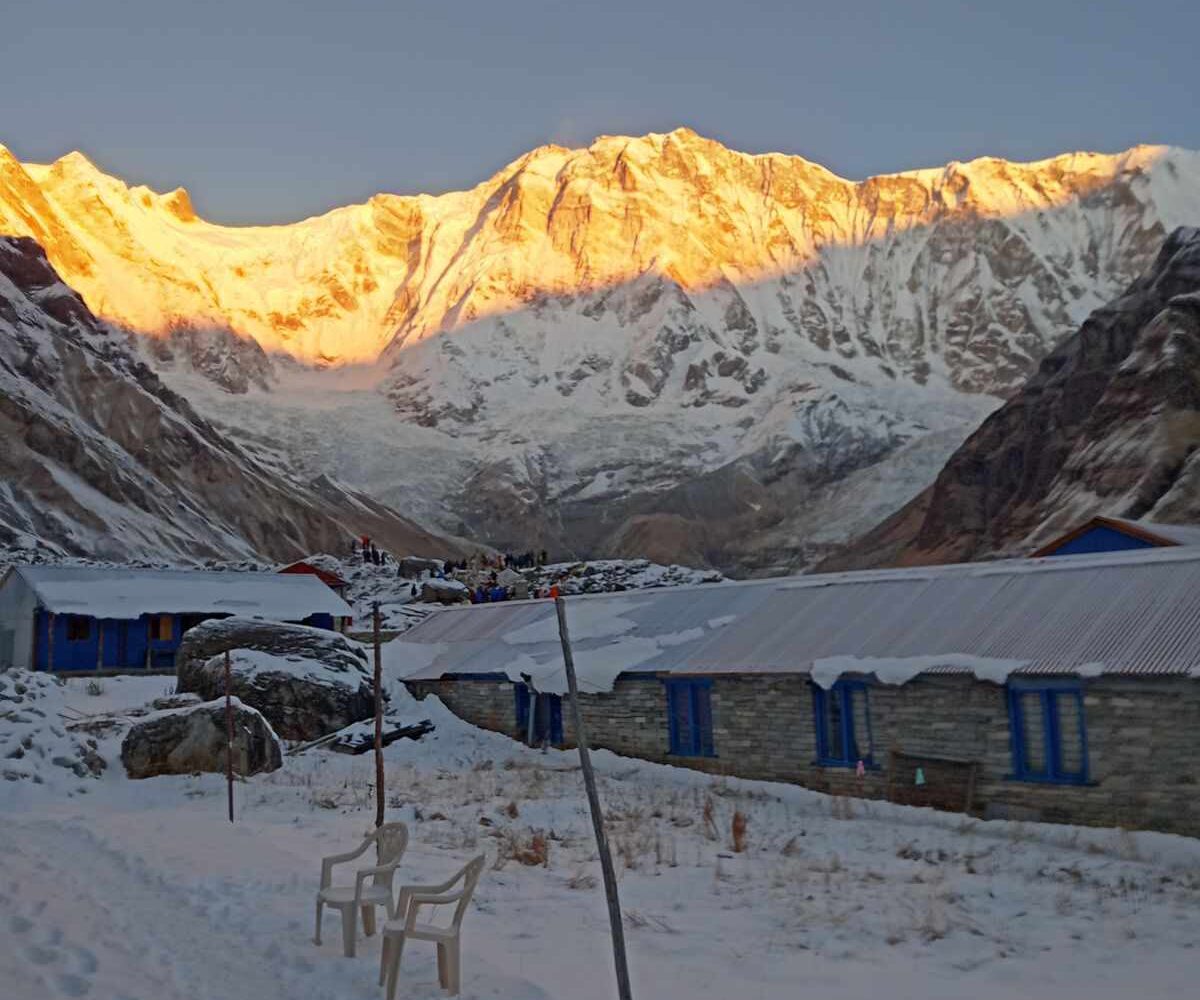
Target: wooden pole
x=378, y=718
x=589, y=782
x=228, y=735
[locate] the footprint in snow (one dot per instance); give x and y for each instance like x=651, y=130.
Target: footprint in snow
x=72, y=985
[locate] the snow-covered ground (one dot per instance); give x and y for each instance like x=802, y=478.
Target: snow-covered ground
x=112, y=888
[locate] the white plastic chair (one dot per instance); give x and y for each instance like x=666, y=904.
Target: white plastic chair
x=404, y=926
x=391, y=840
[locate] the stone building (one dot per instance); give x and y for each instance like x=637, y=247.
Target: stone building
x=1063, y=689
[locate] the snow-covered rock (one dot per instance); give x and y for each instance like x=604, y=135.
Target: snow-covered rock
x=307, y=682
x=195, y=738
x=600, y=576
x=34, y=733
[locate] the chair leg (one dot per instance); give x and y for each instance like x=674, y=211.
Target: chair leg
x=453, y=969
x=397, y=952
x=385, y=953
x=441, y=949
x=349, y=929
x=368, y=920
x=320, y=907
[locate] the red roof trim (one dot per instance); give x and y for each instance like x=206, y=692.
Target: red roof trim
x=327, y=578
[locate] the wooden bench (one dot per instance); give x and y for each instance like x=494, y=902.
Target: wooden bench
x=949, y=782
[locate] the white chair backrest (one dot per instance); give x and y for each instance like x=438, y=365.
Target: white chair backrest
x=470, y=876
x=391, y=841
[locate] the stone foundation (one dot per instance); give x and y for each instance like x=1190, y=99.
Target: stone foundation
x=1143, y=737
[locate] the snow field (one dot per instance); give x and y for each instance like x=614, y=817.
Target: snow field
x=143, y=889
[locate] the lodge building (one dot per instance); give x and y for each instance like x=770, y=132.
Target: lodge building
x=1063, y=688
x=76, y=619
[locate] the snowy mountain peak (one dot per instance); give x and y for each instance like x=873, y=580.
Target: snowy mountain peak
x=342, y=286
x=648, y=342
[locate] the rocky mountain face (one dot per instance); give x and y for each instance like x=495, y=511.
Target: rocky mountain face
x=652, y=346
x=101, y=459
x=1110, y=423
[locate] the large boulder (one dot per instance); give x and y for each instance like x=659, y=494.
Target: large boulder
x=306, y=681
x=441, y=591
x=190, y=739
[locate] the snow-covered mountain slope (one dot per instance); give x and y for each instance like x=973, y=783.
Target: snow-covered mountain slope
x=99, y=458
x=1110, y=424
x=653, y=345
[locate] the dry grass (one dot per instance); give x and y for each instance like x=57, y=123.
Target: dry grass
x=737, y=830
x=582, y=880
x=533, y=850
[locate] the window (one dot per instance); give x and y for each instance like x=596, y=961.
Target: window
x=843, y=723
x=547, y=716
x=689, y=718
x=1049, y=739
x=162, y=628
x=79, y=628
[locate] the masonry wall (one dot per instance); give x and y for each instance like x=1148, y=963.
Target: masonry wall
x=1143, y=739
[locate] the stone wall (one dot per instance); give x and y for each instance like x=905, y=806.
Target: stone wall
x=1143, y=738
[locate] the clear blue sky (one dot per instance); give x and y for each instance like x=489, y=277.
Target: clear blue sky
x=270, y=110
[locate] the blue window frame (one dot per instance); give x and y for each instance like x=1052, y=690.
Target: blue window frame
x=843, y=724
x=1048, y=732
x=547, y=717
x=689, y=718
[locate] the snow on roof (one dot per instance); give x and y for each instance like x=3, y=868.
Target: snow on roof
x=1111, y=613
x=127, y=593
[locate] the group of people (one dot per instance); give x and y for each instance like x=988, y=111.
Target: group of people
x=366, y=549
x=493, y=591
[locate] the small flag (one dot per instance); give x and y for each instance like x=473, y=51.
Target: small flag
x=920, y=779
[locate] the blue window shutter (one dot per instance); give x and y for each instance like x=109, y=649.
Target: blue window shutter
x=689, y=718
x=681, y=715
x=818, y=696
x=842, y=717
x=521, y=694
x=702, y=742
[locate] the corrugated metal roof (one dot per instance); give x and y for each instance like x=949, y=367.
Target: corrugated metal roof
x=103, y=592
x=1133, y=613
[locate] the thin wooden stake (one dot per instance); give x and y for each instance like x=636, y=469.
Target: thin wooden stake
x=228, y=735
x=589, y=782
x=378, y=719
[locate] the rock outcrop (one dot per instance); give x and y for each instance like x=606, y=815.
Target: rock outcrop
x=307, y=682
x=1109, y=424
x=186, y=740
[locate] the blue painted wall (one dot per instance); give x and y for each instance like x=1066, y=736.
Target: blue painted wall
x=1101, y=539
x=125, y=641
